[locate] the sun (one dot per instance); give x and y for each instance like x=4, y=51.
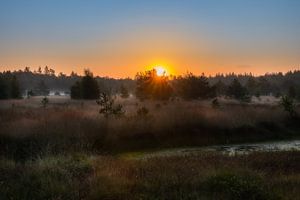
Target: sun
x=160, y=71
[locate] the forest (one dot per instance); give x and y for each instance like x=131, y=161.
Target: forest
x=41, y=82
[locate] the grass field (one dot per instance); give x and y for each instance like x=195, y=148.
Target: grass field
x=67, y=150
x=202, y=176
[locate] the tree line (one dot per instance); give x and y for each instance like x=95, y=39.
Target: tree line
x=9, y=86
x=189, y=86
x=43, y=80
x=147, y=85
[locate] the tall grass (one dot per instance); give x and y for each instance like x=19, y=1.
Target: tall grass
x=32, y=132
x=67, y=151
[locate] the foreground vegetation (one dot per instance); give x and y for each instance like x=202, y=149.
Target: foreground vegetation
x=73, y=126
x=203, y=176
x=66, y=149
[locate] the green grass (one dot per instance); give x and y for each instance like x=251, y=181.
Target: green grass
x=205, y=176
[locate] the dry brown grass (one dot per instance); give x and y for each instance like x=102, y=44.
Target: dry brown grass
x=66, y=151
x=75, y=126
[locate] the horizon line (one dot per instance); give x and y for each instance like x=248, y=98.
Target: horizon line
x=284, y=72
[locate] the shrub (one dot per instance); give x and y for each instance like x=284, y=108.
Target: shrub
x=236, y=187
x=51, y=178
x=124, y=92
x=215, y=103
x=288, y=105
x=45, y=102
x=142, y=112
x=108, y=106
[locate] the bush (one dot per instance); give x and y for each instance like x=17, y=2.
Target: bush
x=124, y=92
x=45, y=102
x=142, y=112
x=108, y=107
x=215, y=103
x=237, y=187
x=288, y=105
x=51, y=178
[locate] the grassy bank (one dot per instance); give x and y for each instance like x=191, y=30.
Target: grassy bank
x=203, y=176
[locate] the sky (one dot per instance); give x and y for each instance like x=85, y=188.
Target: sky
x=118, y=38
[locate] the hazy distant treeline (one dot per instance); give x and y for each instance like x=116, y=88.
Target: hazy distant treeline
x=276, y=84
x=32, y=80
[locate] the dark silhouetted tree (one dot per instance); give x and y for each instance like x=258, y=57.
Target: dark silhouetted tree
x=215, y=103
x=14, y=88
x=42, y=89
x=76, y=90
x=236, y=90
x=45, y=102
x=289, y=105
x=194, y=87
x=4, y=93
x=39, y=70
x=87, y=88
x=220, y=88
x=124, y=92
x=265, y=88
x=292, y=92
x=27, y=70
x=108, y=107
x=152, y=86
x=252, y=86
x=46, y=70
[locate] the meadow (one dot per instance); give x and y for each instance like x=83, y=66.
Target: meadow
x=202, y=176
x=67, y=150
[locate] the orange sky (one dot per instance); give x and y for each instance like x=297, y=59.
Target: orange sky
x=118, y=38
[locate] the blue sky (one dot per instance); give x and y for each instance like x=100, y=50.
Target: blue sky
x=119, y=37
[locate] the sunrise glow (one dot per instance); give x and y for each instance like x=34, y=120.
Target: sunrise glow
x=160, y=71
x=186, y=36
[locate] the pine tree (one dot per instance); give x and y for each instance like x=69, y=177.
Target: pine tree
x=89, y=86
x=86, y=88
x=292, y=92
x=124, y=92
x=14, y=88
x=3, y=89
x=236, y=90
